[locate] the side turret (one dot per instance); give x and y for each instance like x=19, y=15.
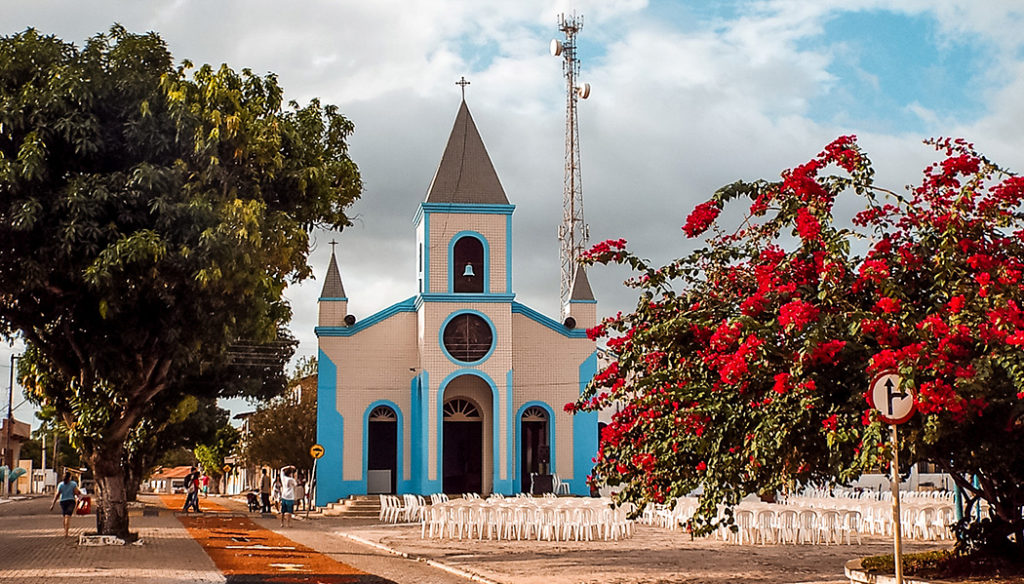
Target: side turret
x=333, y=303
x=582, y=307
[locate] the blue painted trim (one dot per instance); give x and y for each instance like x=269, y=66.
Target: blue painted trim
x=466, y=298
x=415, y=430
x=583, y=302
x=326, y=299
x=552, y=443
x=576, y=333
x=498, y=485
x=508, y=254
x=510, y=447
x=407, y=305
x=494, y=337
x=451, y=260
x=420, y=439
x=330, y=433
x=584, y=434
x=426, y=253
x=401, y=485
x=463, y=209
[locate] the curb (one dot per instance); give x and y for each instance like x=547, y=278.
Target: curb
x=433, y=563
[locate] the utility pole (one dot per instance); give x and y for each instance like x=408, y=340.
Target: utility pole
x=9, y=427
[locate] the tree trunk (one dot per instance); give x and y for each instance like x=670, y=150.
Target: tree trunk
x=112, y=505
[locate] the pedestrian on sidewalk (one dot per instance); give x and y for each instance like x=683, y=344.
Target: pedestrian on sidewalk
x=192, y=490
x=204, y=482
x=265, y=492
x=287, y=495
x=67, y=493
x=300, y=493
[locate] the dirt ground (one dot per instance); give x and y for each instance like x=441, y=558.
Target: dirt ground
x=652, y=556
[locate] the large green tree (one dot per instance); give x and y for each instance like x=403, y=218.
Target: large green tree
x=150, y=217
x=744, y=367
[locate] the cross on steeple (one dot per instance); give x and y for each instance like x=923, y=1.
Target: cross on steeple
x=463, y=83
x=333, y=243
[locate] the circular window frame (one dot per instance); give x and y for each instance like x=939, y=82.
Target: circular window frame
x=451, y=318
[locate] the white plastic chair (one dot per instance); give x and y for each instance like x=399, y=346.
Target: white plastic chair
x=561, y=487
x=787, y=526
x=807, y=522
x=765, y=527
x=850, y=526
x=828, y=527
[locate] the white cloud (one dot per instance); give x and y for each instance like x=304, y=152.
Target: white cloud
x=677, y=110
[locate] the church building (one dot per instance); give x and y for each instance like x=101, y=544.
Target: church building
x=458, y=388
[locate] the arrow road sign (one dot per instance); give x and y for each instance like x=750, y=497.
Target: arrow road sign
x=888, y=395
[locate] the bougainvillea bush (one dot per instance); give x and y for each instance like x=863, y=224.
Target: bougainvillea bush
x=744, y=367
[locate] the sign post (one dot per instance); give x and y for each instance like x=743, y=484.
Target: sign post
x=895, y=405
x=316, y=451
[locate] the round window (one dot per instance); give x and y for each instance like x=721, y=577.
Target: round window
x=468, y=338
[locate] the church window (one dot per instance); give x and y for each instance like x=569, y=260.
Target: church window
x=535, y=414
x=383, y=414
x=460, y=410
x=467, y=337
x=468, y=265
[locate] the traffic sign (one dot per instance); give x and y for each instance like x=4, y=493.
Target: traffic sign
x=894, y=402
x=227, y=468
x=316, y=451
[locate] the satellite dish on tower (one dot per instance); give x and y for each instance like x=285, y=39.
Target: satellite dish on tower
x=556, y=47
x=583, y=90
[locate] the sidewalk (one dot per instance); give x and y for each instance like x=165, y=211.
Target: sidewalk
x=34, y=550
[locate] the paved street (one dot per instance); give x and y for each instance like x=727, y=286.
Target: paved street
x=225, y=544
x=33, y=550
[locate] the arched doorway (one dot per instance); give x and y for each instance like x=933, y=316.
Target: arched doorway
x=382, y=451
x=535, y=444
x=463, y=447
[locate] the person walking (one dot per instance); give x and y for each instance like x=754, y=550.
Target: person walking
x=287, y=495
x=204, y=483
x=192, y=490
x=265, y=492
x=300, y=493
x=67, y=493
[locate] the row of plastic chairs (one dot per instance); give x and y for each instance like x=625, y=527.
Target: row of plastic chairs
x=408, y=508
x=761, y=523
x=520, y=518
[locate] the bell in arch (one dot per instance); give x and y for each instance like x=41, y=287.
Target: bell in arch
x=468, y=272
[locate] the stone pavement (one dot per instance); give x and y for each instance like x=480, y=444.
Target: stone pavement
x=652, y=556
x=33, y=550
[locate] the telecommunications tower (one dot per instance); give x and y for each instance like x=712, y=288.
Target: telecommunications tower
x=573, y=232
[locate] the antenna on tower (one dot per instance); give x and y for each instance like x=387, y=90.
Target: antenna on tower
x=573, y=232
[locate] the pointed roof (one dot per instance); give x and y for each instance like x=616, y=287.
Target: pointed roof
x=581, y=286
x=466, y=174
x=332, y=283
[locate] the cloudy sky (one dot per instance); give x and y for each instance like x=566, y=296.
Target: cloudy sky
x=687, y=96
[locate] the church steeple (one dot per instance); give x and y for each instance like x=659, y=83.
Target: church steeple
x=466, y=174
x=582, y=306
x=333, y=302
x=333, y=288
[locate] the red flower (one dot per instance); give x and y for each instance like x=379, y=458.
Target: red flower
x=887, y=305
x=807, y=225
x=701, y=218
x=797, y=314
x=702, y=466
x=831, y=422
x=781, y=383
